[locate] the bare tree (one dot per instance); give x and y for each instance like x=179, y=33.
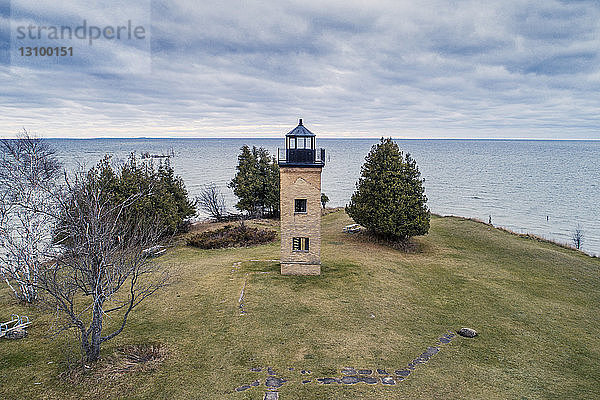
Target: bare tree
x=577, y=237
x=212, y=201
x=28, y=173
x=103, y=268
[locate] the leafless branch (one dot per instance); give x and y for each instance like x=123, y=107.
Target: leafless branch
x=28, y=172
x=212, y=202
x=102, y=267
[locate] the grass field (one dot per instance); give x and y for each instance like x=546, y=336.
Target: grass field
x=536, y=306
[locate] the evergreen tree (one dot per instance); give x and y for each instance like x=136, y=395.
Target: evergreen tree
x=390, y=198
x=256, y=183
x=163, y=198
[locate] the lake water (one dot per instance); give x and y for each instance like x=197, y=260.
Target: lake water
x=543, y=187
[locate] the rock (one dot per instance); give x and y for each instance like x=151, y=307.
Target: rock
x=382, y=371
x=327, y=381
x=444, y=340
x=350, y=380
x=271, y=396
x=274, y=382
x=368, y=380
x=349, y=371
x=242, y=388
x=404, y=373
x=255, y=383
x=304, y=382
x=255, y=369
x=467, y=332
x=16, y=334
x=365, y=371
x=388, y=380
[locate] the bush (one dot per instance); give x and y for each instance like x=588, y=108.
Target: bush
x=231, y=236
x=324, y=199
x=390, y=198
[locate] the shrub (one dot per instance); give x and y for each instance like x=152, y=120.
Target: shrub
x=324, y=199
x=231, y=236
x=390, y=198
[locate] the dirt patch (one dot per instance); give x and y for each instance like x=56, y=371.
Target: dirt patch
x=125, y=360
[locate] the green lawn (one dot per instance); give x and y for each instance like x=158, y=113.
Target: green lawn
x=536, y=306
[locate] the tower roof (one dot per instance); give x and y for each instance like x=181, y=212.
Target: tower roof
x=300, y=130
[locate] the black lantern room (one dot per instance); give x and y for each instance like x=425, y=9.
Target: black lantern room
x=300, y=149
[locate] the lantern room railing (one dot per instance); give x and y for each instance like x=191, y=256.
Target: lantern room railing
x=301, y=157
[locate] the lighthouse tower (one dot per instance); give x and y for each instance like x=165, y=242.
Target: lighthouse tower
x=300, y=166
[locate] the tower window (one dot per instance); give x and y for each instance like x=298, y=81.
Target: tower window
x=300, y=244
x=300, y=205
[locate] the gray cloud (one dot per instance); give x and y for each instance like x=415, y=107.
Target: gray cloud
x=353, y=68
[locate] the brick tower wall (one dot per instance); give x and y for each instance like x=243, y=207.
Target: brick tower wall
x=300, y=183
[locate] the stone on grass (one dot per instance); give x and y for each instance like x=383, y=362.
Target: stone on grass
x=327, y=381
x=368, y=380
x=274, y=382
x=16, y=334
x=350, y=380
x=365, y=371
x=242, y=388
x=388, y=380
x=349, y=371
x=271, y=396
x=467, y=332
x=403, y=373
x=382, y=371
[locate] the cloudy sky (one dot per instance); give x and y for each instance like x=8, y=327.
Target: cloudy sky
x=427, y=69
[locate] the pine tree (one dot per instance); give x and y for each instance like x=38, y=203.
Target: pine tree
x=256, y=183
x=390, y=198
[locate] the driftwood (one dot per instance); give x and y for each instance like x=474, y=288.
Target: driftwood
x=15, y=327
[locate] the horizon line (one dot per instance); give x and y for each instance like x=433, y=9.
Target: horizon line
x=327, y=137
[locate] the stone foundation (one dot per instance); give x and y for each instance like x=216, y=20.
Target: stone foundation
x=300, y=269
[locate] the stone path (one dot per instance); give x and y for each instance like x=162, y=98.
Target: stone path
x=349, y=375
